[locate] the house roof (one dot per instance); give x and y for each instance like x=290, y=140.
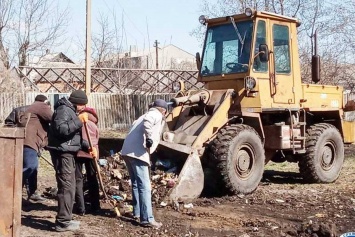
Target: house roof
x=52, y=58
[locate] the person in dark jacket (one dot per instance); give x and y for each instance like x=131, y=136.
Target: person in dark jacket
x=64, y=142
x=35, y=141
x=85, y=158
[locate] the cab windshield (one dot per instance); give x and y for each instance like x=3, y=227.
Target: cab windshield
x=227, y=49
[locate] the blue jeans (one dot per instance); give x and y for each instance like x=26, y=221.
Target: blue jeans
x=141, y=189
x=30, y=170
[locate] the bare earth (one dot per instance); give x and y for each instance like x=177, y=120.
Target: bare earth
x=281, y=206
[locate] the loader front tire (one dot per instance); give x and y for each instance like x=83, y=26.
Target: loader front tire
x=324, y=156
x=240, y=157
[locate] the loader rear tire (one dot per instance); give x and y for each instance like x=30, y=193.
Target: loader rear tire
x=324, y=156
x=240, y=157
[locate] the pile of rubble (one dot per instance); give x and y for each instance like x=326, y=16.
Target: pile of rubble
x=117, y=182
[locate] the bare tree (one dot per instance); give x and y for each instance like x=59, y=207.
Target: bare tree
x=104, y=42
x=40, y=24
x=6, y=12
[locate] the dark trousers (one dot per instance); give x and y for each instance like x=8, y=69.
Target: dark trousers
x=92, y=183
x=30, y=170
x=64, y=165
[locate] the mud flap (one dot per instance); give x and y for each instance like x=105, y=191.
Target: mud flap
x=190, y=182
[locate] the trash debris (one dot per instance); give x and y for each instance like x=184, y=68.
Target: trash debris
x=118, y=198
x=116, y=173
x=188, y=206
x=102, y=162
x=320, y=215
x=50, y=192
x=118, y=214
x=163, y=163
x=118, y=186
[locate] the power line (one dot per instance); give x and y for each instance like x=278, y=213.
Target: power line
x=130, y=19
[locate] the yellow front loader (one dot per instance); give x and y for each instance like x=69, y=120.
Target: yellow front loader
x=253, y=109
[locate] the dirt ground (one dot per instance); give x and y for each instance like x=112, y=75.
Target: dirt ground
x=281, y=206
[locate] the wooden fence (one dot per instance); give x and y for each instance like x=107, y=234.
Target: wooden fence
x=115, y=111
x=107, y=80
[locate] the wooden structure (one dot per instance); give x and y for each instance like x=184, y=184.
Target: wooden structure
x=11, y=141
x=115, y=111
x=107, y=80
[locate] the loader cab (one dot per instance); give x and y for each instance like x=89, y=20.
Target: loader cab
x=227, y=49
x=257, y=55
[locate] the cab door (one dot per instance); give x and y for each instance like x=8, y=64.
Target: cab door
x=282, y=82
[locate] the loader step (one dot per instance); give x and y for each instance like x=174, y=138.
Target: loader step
x=300, y=151
x=299, y=138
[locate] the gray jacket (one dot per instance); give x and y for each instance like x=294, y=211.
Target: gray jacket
x=149, y=125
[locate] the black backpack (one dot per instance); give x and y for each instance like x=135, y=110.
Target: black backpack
x=16, y=116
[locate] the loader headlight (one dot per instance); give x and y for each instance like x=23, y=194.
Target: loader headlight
x=249, y=12
x=203, y=19
x=249, y=83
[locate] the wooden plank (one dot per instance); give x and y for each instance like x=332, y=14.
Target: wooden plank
x=7, y=132
x=17, y=193
x=7, y=166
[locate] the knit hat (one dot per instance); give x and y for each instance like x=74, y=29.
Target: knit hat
x=78, y=97
x=41, y=98
x=160, y=103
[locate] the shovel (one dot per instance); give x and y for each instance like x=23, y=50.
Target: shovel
x=95, y=162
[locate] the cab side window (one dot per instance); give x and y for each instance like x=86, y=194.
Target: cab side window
x=281, y=43
x=259, y=66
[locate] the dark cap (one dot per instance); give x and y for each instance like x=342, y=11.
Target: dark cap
x=78, y=97
x=160, y=103
x=41, y=98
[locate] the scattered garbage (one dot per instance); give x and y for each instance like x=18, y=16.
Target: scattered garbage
x=163, y=163
x=118, y=198
x=102, y=162
x=118, y=186
x=50, y=192
x=117, y=182
x=188, y=206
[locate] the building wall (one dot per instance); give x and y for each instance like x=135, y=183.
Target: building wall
x=169, y=57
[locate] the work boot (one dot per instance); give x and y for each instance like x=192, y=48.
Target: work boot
x=36, y=197
x=132, y=216
x=153, y=224
x=79, y=212
x=72, y=226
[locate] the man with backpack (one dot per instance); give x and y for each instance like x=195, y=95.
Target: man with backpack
x=64, y=142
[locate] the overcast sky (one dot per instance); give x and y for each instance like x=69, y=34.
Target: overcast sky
x=168, y=21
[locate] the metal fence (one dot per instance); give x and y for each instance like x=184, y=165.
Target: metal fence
x=115, y=111
x=107, y=80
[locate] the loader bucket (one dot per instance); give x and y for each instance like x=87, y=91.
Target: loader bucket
x=191, y=177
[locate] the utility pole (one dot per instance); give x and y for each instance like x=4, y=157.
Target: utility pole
x=156, y=53
x=88, y=48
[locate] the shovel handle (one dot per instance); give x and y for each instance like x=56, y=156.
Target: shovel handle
x=88, y=134
x=95, y=161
